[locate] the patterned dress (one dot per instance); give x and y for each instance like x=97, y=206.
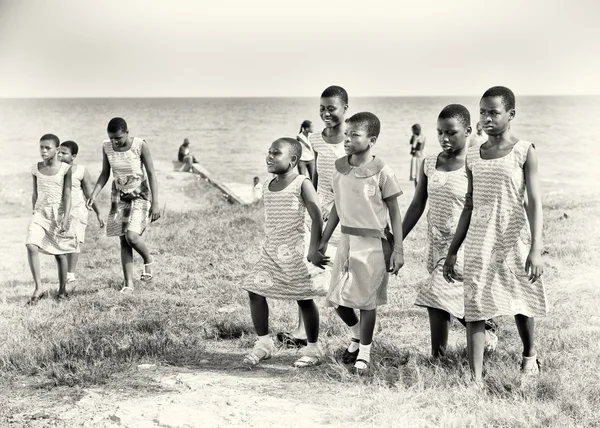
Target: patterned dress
x=446, y=193
x=130, y=196
x=43, y=229
x=79, y=213
x=327, y=155
x=499, y=240
x=282, y=271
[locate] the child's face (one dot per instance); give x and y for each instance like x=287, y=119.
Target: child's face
x=493, y=115
x=416, y=131
x=65, y=155
x=119, y=138
x=47, y=149
x=452, y=134
x=310, y=129
x=479, y=128
x=332, y=111
x=279, y=160
x=356, y=139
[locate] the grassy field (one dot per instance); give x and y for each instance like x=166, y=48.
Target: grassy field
x=194, y=315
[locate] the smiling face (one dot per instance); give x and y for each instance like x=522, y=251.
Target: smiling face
x=452, y=134
x=356, y=139
x=494, y=117
x=48, y=149
x=279, y=159
x=65, y=155
x=332, y=111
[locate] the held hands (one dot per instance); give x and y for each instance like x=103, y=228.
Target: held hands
x=318, y=259
x=154, y=213
x=449, y=273
x=534, y=266
x=396, y=261
x=90, y=202
x=323, y=247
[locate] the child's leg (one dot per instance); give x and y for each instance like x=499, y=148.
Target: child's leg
x=33, y=257
x=127, y=261
x=259, y=309
x=310, y=313
x=72, y=259
x=136, y=242
x=349, y=317
x=61, y=262
x=300, y=332
x=439, y=325
x=475, y=347
x=525, y=326
x=367, y=328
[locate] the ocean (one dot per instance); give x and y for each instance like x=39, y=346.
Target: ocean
x=230, y=136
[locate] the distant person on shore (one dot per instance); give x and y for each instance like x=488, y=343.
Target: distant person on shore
x=81, y=190
x=478, y=138
x=503, y=239
x=49, y=231
x=257, y=191
x=417, y=144
x=366, y=192
x=134, y=196
x=282, y=271
x=328, y=146
x=443, y=182
x=184, y=156
x=306, y=166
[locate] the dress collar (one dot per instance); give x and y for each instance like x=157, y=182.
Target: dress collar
x=342, y=165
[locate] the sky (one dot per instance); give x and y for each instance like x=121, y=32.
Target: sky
x=229, y=48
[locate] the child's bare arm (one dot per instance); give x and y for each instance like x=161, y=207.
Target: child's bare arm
x=149, y=165
x=102, y=179
x=315, y=178
x=533, y=208
x=332, y=223
x=34, y=194
x=67, y=183
x=397, y=260
x=311, y=201
x=417, y=206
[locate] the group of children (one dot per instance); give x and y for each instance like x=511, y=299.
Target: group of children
x=62, y=196
x=486, y=195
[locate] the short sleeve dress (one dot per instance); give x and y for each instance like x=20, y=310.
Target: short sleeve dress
x=499, y=240
x=79, y=212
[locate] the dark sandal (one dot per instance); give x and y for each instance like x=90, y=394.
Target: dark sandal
x=290, y=341
x=34, y=299
x=350, y=357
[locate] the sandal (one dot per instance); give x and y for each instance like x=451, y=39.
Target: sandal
x=34, y=299
x=350, y=357
x=307, y=361
x=260, y=352
x=361, y=367
x=62, y=297
x=290, y=341
x=126, y=289
x=532, y=370
x=147, y=276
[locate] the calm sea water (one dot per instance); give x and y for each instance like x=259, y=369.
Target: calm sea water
x=230, y=136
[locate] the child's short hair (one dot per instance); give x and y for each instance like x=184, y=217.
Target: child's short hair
x=51, y=137
x=72, y=146
x=368, y=120
x=256, y=179
x=293, y=146
x=416, y=127
x=305, y=124
x=508, y=97
x=337, y=92
x=458, y=112
x=117, y=124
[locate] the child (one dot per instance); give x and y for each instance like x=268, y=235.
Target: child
x=443, y=180
x=81, y=185
x=306, y=166
x=328, y=146
x=185, y=157
x=503, y=262
x=478, y=138
x=417, y=144
x=281, y=272
x=365, y=190
x=134, y=196
x=49, y=230
x=256, y=190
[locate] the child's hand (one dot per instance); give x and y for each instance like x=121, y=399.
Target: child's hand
x=396, y=262
x=100, y=221
x=154, y=211
x=63, y=224
x=449, y=273
x=318, y=259
x=534, y=266
x=323, y=247
x=90, y=202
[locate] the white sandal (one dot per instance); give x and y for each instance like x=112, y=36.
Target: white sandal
x=147, y=276
x=260, y=352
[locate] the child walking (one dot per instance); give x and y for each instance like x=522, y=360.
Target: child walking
x=81, y=190
x=306, y=166
x=281, y=272
x=328, y=146
x=443, y=181
x=134, y=196
x=417, y=144
x=49, y=231
x=365, y=190
x=503, y=262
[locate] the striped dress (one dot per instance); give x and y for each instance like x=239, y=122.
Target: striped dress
x=446, y=193
x=129, y=178
x=79, y=213
x=282, y=271
x=327, y=155
x=43, y=229
x=499, y=240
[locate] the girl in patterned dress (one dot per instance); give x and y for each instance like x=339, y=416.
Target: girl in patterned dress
x=134, y=195
x=49, y=231
x=306, y=166
x=282, y=272
x=443, y=181
x=328, y=146
x=503, y=262
x=81, y=186
x=365, y=190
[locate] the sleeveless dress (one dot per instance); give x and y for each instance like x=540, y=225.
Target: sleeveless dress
x=282, y=271
x=43, y=229
x=79, y=213
x=307, y=150
x=130, y=195
x=499, y=240
x=446, y=193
